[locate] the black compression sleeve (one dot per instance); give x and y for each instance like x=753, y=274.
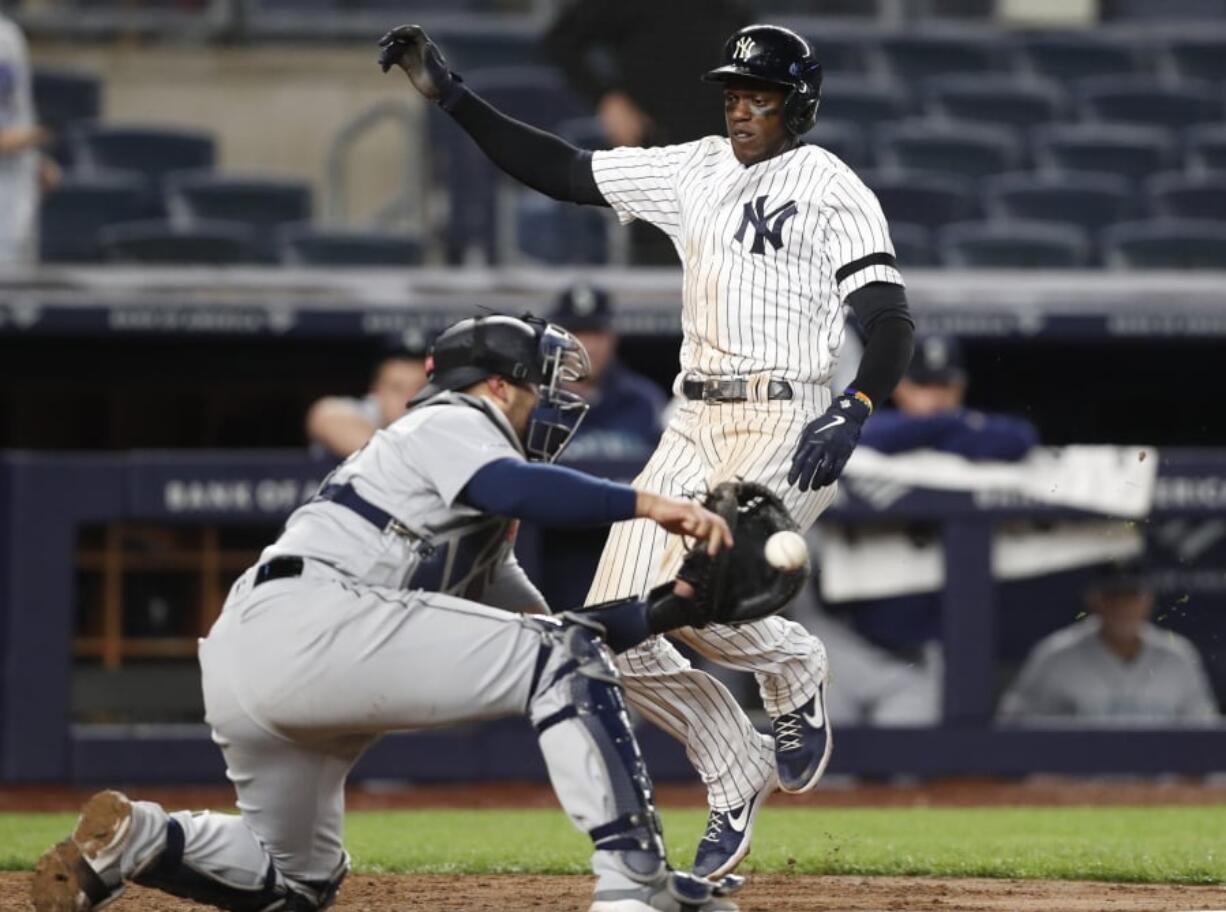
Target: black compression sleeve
x=881, y=308
x=541, y=160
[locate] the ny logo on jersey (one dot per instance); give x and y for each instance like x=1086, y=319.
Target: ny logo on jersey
x=767, y=226
x=744, y=48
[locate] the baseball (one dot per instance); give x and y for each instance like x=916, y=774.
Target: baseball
x=787, y=551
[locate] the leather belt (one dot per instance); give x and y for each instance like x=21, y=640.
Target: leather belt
x=730, y=389
x=278, y=568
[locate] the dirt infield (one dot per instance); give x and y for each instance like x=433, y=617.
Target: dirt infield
x=1036, y=792
x=780, y=893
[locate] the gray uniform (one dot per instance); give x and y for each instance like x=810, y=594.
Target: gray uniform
x=1071, y=674
x=19, y=170
x=302, y=673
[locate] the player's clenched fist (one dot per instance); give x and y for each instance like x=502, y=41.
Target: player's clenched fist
x=826, y=443
x=685, y=517
x=410, y=48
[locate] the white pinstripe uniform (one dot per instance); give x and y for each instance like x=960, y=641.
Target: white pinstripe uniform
x=769, y=252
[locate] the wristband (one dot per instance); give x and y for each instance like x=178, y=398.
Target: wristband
x=863, y=397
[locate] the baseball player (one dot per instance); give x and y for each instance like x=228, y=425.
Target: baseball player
x=775, y=237
x=371, y=613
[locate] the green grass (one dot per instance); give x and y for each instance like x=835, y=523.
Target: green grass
x=1133, y=844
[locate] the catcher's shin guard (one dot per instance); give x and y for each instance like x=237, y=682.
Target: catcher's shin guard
x=169, y=873
x=580, y=718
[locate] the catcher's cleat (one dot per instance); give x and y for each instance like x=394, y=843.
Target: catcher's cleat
x=82, y=872
x=677, y=892
x=726, y=841
x=803, y=742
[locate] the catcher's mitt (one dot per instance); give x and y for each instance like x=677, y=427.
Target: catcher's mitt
x=738, y=584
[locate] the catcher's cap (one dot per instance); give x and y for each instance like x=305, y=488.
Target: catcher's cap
x=469, y=351
x=771, y=53
x=583, y=308
x=937, y=360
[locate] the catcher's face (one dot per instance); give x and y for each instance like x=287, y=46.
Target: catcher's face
x=521, y=401
x=753, y=113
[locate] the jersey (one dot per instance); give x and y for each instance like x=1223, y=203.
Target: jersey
x=769, y=251
x=19, y=170
x=1072, y=674
x=415, y=470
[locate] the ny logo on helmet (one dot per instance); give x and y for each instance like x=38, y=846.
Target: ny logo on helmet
x=767, y=226
x=745, y=48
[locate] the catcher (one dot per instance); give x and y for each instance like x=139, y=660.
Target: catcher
x=376, y=610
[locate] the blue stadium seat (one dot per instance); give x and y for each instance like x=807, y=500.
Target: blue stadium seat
x=1199, y=56
x=63, y=100
x=846, y=140
x=1206, y=147
x=1138, y=99
x=470, y=49
x=916, y=56
x=992, y=99
x=537, y=95
x=1166, y=244
x=151, y=151
x=79, y=206
x=1085, y=199
x=306, y=245
x=941, y=147
x=1196, y=196
x=927, y=200
x=1013, y=245
x=845, y=52
x=262, y=204
x=584, y=132
x=912, y=244
x=1070, y=54
x=867, y=103
x=560, y=233
x=203, y=243
x=1162, y=11
x=1128, y=150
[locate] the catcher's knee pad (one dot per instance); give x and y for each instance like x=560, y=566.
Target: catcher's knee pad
x=580, y=717
x=170, y=873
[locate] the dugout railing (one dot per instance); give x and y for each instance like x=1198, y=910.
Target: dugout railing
x=45, y=498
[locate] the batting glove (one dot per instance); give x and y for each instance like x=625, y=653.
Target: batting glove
x=826, y=443
x=410, y=48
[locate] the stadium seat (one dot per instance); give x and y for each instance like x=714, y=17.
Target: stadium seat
x=1138, y=99
x=584, y=132
x=1166, y=244
x=64, y=99
x=262, y=204
x=845, y=53
x=867, y=103
x=1075, y=54
x=203, y=243
x=151, y=151
x=305, y=245
x=912, y=244
x=1162, y=12
x=846, y=140
x=1179, y=195
x=940, y=147
x=1013, y=245
x=913, y=57
x=1200, y=56
x=79, y=206
x=537, y=95
x=1084, y=199
x=1128, y=150
x=927, y=200
x=551, y=232
x=991, y=99
x=1206, y=147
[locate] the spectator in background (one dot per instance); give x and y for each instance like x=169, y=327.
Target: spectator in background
x=930, y=414
x=635, y=61
x=623, y=423
x=1114, y=667
x=22, y=167
x=341, y=425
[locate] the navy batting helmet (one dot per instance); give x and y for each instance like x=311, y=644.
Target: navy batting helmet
x=527, y=351
x=774, y=54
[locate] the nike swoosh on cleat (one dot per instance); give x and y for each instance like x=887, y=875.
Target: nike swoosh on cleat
x=739, y=823
x=834, y=422
x=816, y=720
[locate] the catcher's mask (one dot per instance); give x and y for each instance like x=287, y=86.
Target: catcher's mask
x=527, y=351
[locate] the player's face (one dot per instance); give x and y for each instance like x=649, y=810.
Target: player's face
x=753, y=112
x=926, y=399
x=398, y=381
x=1122, y=612
x=520, y=403
x=601, y=347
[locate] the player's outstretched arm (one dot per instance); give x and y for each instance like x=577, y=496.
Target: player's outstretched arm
x=538, y=159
